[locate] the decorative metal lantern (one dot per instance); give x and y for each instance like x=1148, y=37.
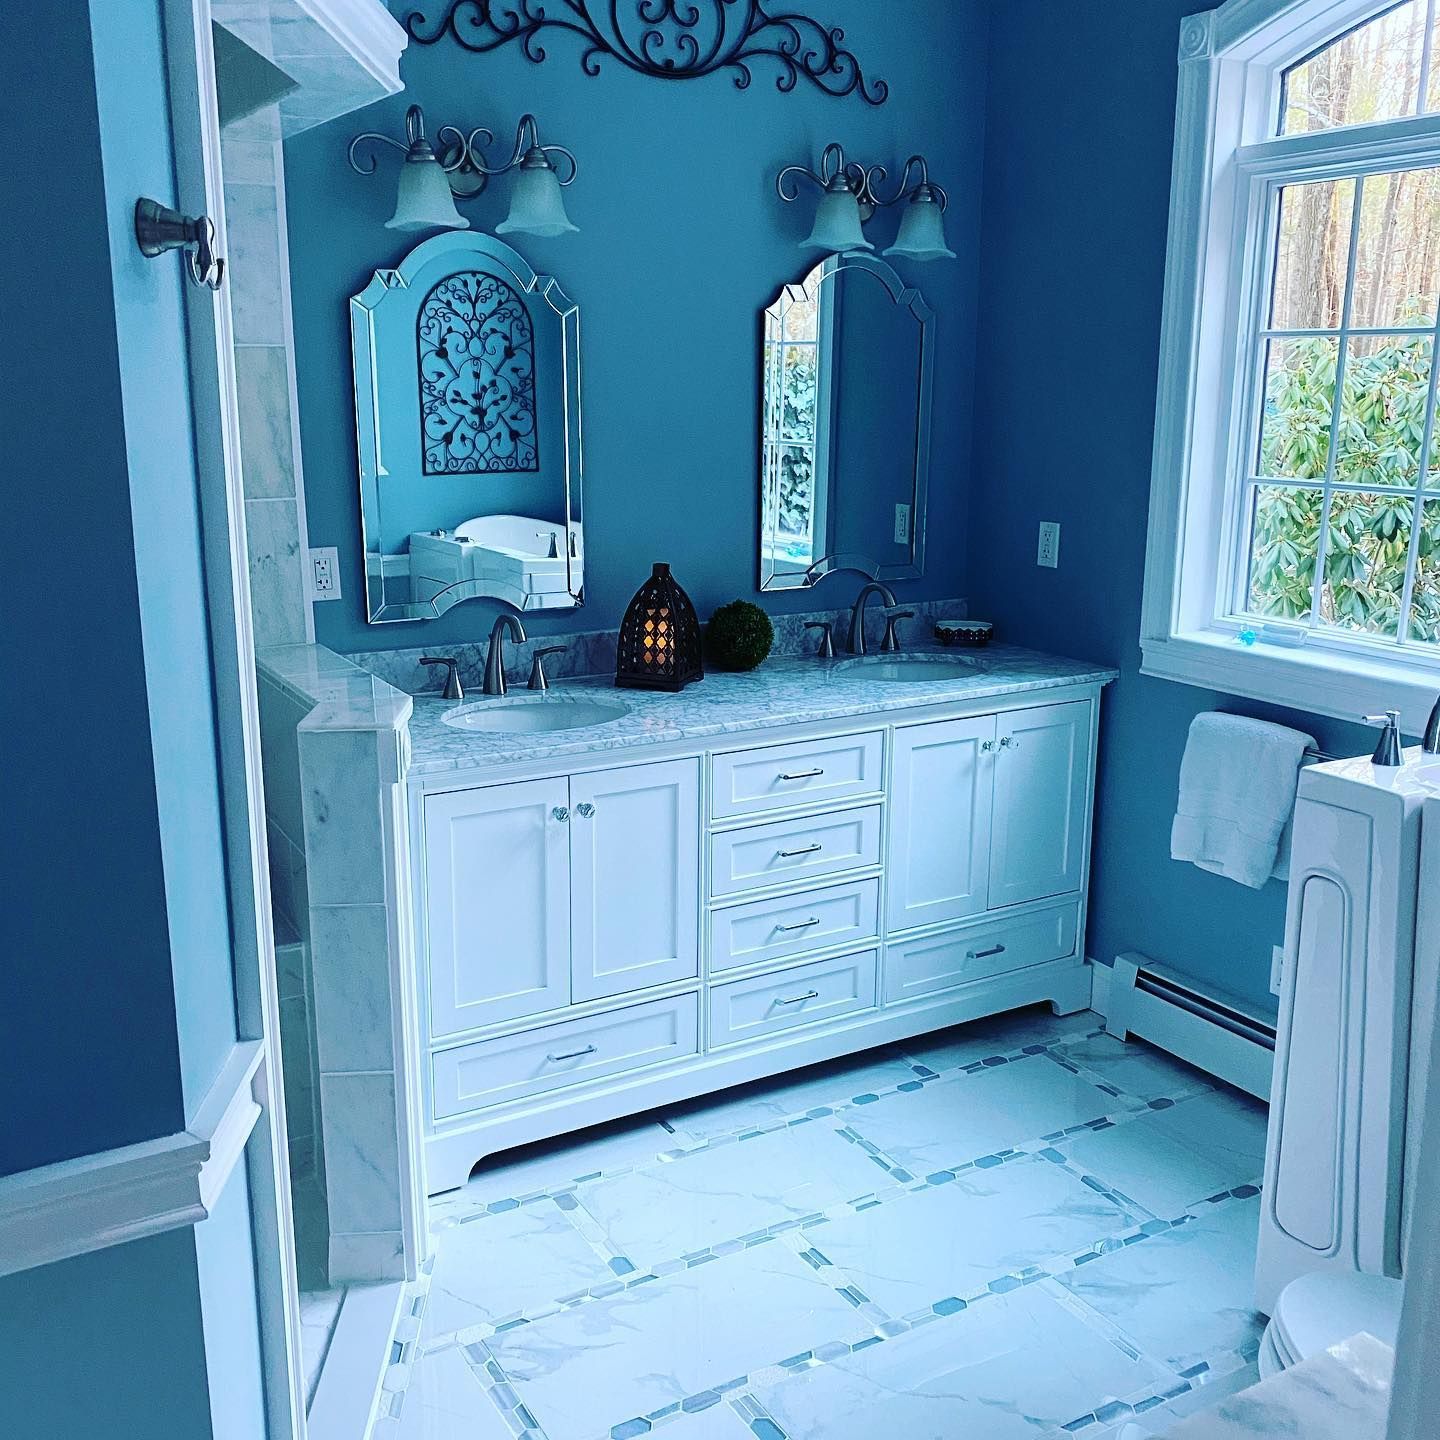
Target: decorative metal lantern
x=659, y=637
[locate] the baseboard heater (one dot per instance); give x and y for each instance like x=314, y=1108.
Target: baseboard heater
x=1219, y=1033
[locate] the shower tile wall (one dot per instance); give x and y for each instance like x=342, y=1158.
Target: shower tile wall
x=334, y=806
x=259, y=280
x=280, y=716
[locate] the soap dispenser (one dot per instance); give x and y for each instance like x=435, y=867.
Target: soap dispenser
x=1387, y=750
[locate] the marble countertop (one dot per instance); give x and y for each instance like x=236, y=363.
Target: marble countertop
x=781, y=692
x=341, y=695
x=1340, y=1394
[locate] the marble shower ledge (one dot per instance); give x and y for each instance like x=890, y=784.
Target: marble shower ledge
x=781, y=692
x=341, y=694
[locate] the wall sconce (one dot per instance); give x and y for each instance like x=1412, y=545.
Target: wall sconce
x=849, y=197
x=430, y=184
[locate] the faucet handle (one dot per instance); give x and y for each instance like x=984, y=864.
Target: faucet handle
x=891, y=642
x=453, y=689
x=827, y=638
x=537, y=679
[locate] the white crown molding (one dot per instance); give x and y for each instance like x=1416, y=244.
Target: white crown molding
x=367, y=31
x=70, y=1208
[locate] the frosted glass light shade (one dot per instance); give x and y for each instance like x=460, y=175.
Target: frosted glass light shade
x=536, y=206
x=837, y=224
x=423, y=200
x=922, y=230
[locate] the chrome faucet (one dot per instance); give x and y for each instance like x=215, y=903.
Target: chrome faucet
x=1430, y=740
x=857, y=615
x=495, y=659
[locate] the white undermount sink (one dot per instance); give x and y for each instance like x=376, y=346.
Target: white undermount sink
x=907, y=669
x=536, y=714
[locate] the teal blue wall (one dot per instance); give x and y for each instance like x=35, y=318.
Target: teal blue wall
x=88, y=1051
x=107, y=1346
x=683, y=242
x=118, y=1008
x=1077, y=185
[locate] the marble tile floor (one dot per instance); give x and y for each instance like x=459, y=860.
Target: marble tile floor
x=1016, y=1228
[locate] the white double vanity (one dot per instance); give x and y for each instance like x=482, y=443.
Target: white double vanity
x=765, y=871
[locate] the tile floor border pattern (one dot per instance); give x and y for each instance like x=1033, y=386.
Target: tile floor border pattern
x=472, y=1342
x=747, y=1408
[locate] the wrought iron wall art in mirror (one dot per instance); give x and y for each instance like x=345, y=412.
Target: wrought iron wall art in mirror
x=847, y=369
x=467, y=404
x=667, y=39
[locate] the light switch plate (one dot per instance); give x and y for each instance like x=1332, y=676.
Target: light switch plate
x=1277, y=968
x=902, y=524
x=1048, y=552
x=324, y=572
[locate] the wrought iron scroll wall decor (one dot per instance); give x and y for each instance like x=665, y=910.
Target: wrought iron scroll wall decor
x=667, y=39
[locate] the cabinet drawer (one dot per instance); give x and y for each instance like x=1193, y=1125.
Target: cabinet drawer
x=750, y=782
x=762, y=930
x=761, y=855
x=941, y=962
x=804, y=995
x=511, y=1067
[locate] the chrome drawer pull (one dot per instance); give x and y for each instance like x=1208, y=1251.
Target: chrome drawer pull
x=802, y=925
x=584, y=809
x=803, y=775
x=571, y=1055
x=800, y=999
x=1009, y=742
x=561, y=813
x=985, y=954
x=808, y=850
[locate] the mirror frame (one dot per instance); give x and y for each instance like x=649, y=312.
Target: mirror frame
x=365, y=313
x=906, y=297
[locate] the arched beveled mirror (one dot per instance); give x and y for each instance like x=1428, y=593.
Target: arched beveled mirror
x=467, y=404
x=847, y=362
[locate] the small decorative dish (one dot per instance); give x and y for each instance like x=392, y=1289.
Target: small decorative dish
x=972, y=633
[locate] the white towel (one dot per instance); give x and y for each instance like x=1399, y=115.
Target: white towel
x=1237, y=794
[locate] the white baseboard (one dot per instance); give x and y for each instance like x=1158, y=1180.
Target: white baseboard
x=70, y=1208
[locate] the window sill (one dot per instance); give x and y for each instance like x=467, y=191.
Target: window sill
x=1319, y=683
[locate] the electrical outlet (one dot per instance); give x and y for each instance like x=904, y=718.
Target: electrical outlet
x=902, y=524
x=1277, y=968
x=324, y=573
x=1048, y=553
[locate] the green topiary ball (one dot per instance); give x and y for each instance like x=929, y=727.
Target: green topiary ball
x=739, y=636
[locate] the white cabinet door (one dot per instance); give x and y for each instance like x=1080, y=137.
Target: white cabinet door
x=1042, y=779
x=941, y=794
x=497, y=900
x=635, y=856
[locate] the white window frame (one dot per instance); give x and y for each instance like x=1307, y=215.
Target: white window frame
x=1227, y=167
